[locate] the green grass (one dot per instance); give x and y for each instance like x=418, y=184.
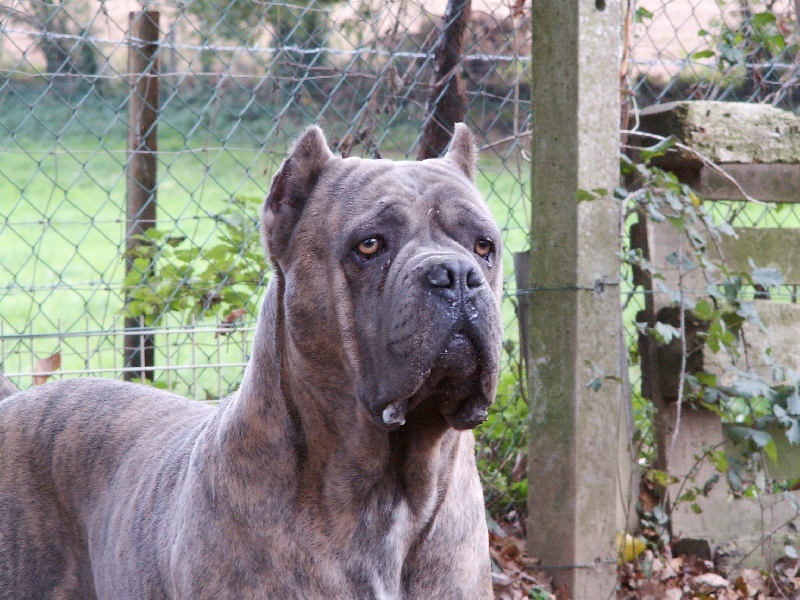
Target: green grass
x=62, y=199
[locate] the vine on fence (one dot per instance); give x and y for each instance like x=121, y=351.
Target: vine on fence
x=718, y=320
x=177, y=275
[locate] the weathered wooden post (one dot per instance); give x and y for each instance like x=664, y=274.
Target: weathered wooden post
x=142, y=160
x=574, y=322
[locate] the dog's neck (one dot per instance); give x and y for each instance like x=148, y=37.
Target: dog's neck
x=327, y=443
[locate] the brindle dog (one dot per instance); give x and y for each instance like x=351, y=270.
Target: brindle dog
x=344, y=465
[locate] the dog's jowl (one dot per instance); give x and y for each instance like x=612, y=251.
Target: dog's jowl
x=343, y=467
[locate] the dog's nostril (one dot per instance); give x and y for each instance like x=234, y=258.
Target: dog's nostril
x=454, y=275
x=474, y=279
x=440, y=276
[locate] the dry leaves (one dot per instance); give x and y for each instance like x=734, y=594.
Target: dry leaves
x=657, y=577
x=514, y=575
x=45, y=367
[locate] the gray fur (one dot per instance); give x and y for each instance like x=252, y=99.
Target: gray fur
x=343, y=467
x=6, y=387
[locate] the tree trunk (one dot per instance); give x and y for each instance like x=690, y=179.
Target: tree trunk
x=57, y=58
x=447, y=104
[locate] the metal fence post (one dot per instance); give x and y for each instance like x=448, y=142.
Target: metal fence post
x=142, y=160
x=575, y=299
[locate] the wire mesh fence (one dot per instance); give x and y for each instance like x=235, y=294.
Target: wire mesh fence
x=237, y=81
x=743, y=50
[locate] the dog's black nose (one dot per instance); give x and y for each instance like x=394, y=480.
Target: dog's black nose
x=454, y=275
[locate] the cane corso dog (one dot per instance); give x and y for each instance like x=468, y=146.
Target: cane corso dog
x=343, y=467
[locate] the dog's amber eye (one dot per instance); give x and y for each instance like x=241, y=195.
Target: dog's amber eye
x=483, y=247
x=369, y=246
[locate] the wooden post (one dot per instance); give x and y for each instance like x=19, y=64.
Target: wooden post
x=141, y=182
x=574, y=492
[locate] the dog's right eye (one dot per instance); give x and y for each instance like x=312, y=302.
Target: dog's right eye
x=369, y=247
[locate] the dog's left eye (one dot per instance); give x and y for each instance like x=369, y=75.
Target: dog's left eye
x=484, y=247
x=369, y=247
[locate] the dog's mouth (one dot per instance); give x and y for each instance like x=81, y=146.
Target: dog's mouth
x=455, y=387
x=459, y=358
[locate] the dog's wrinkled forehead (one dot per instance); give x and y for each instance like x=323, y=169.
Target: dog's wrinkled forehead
x=364, y=185
x=314, y=182
x=365, y=198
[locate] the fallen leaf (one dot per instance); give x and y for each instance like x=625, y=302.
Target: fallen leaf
x=45, y=368
x=629, y=547
x=727, y=594
x=211, y=298
x=501, y=580
x=235, y=314
x=666, y=573
x=751, y=583
x=676, y=564
x=656, y=564
x=673, y=594
x=710, y=579
x=520, y=470
x=509, y=560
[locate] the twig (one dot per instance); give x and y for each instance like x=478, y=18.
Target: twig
x=684, y=350
x=766, y=536
x=505, y=140
x=707, y=161
x=694, y=469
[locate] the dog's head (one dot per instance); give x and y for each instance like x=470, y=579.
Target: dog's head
x=391, y=279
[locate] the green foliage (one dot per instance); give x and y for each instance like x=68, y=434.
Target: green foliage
x=506, y=487
x=642, y=15
x=718, y=321
x=743, y=50
x=177, y=275
x=643, y=435
x=755, y=38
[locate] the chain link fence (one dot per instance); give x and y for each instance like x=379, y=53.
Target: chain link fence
x=237, y=81
x=735, y=50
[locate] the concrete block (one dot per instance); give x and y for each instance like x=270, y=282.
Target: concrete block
x=728, y=132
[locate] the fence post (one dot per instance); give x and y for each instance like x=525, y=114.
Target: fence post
x=574, y=320
x=141, y=181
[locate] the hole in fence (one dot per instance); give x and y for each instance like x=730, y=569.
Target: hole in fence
x=600, y=4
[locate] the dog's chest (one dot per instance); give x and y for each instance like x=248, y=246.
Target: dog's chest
x=372, y=561
x=387, y=584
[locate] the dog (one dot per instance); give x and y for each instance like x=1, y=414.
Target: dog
x=342, y=467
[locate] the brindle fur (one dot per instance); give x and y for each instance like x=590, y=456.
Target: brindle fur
x=297, y=486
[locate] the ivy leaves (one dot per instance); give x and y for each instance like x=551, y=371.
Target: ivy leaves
x=719, y=316
x=176, y=275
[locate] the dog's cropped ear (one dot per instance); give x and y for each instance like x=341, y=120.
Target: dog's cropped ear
x=463, y=152
x=291, y=187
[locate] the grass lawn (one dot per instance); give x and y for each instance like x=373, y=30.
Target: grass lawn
x=62, y=207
